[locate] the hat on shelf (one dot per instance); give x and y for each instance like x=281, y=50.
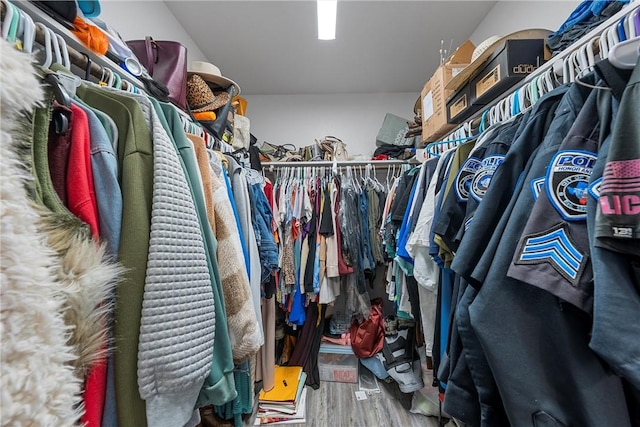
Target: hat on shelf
x=485, y=49
x=201, y=98
x=211, y=74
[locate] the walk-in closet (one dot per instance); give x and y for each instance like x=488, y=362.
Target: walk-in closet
x=320, y=213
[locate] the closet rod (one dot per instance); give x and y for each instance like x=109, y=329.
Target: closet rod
x=98, y=63
x=344, y=163
x=477, y=117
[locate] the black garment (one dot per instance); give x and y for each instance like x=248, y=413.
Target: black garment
x=312, y=237
x=352, y=239
x=403, y=194
x=254, y=158
x=486, y=221
x=618, y=216
x=326, y=222
x=395, y=151
x=550, y=119
x=462, y=387
x=58, y=150
x=558, y=221
x=270, y=287
x=490, y=154
x=305, y=353
x=616, y=313
x=553, y=377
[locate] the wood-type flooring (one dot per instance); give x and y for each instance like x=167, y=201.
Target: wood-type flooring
x=335, y=405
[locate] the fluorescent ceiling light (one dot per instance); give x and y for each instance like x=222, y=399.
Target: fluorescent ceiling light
x=327, y=11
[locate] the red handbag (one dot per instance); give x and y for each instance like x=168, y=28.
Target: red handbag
x=166, y=62
x=367, y=338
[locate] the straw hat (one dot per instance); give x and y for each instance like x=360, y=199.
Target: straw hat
x=212, y=74
x=201, y=98
x=485, y=49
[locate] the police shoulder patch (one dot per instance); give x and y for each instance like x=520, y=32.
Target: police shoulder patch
x=537, y=186
x=567, y=181
x=556, y=248
x=464, y=178
x=482, y=178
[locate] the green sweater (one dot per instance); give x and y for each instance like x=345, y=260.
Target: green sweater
x=219, y=387
x=135, y=156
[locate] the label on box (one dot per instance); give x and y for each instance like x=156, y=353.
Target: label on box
x=488, y=81
x=427, y=106
x=458, y=106
x=456, y=71
x=524, y=69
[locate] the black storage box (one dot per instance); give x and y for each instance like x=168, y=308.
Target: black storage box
x=504, y=68
x=507, y=66
x=461, y=105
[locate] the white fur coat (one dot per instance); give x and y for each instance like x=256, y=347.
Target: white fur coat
x=38, y=382
x=53, y=279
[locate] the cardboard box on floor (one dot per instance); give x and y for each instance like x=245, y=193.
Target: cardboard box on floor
x=434, y=95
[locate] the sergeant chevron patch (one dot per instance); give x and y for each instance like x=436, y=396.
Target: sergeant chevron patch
x=556, y=248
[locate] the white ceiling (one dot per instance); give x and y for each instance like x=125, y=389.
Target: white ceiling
x=271, y=47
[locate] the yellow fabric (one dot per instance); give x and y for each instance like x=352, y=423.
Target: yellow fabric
x=240, y=105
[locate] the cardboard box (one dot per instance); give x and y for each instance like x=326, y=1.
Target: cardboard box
x=506, y=67
x=434, y=95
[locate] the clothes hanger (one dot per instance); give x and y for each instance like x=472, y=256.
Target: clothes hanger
x=591, y=57
x=581, y=58
x=87, y=68
x=612, y=36
x=630, y=27
x=549, y=80
x=112, y=77
x=541, y=85
x=13, y=25
x=56, y=46
x=483, y=121
x=47, y=45
x=8, y=17
x=622, y=31
x=66, y=62
x=533, y=89
x=117, y=81
x=28, y=33
x=624, y=55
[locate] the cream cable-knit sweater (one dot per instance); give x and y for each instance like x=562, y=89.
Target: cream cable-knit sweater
x=178, y=317
x=245, y=331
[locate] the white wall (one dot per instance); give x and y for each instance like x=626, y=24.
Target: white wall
x=299, y=119
x=135, y=20
x=508, y=16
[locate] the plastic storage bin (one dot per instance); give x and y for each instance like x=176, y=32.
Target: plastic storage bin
x=337, y=363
